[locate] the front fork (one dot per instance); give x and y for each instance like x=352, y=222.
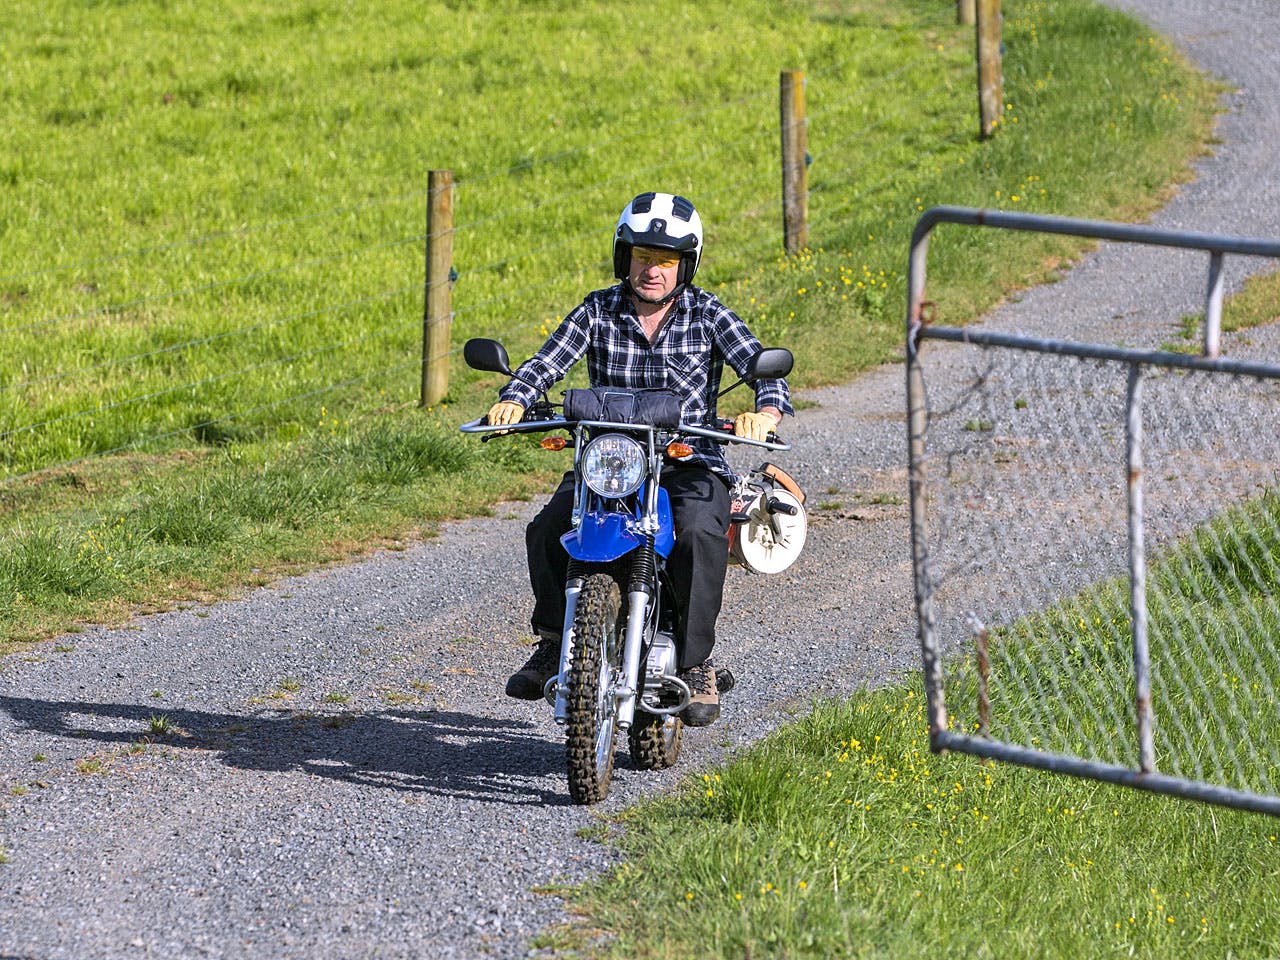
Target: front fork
x=640, y=584
x=572, y=588
x=638, y=608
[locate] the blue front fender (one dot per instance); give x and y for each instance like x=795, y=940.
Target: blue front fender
x=604, y=536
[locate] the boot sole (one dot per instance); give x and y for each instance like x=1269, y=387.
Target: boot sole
x=523, y=691
x=702, y=716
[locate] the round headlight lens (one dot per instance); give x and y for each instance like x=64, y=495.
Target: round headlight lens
x=614, y=465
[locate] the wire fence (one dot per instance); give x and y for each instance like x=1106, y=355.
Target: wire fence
x=146, y=348
x=1096, y=530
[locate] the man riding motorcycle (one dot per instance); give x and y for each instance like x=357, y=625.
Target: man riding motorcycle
x=652, y=329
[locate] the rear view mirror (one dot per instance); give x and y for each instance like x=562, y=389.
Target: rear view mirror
x=771, y=363
x=487, y=355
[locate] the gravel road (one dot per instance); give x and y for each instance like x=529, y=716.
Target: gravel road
x=340, y=775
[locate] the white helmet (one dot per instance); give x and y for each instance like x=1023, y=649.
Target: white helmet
x=662, y=221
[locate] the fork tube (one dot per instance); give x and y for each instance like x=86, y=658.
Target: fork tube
x=638, y=602
x=651, y=487
x=572, y=587
x=579, y=494
x=640, y=584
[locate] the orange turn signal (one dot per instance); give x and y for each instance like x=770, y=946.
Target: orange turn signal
x=678, y=451
x=553, y=443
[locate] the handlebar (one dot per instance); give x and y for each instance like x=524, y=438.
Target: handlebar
x=719, y=434
x=482, y=425
x=779, y=506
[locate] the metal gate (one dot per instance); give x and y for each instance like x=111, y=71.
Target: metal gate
x=1096, y=541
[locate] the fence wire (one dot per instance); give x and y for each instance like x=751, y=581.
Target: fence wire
x=122, y=350
x=1031, y=546
x=1098, y=559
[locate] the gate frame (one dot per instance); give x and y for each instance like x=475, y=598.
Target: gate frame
x=919, y=328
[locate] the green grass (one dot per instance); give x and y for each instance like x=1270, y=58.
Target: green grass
x=213, y=239
x=213, y=236
x=160, y=725
x=237, y=516
x=298, y=143
x=843, y=836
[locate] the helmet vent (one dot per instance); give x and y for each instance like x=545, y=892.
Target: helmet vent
x=644, y=203
x=681, y=208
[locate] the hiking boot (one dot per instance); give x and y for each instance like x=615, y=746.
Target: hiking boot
x=528, y=682
x=704, y=698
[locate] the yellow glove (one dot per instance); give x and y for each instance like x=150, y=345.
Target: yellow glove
x=753, y=426
x=505, y=412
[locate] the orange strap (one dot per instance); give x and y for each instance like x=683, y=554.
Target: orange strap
x=782, y=478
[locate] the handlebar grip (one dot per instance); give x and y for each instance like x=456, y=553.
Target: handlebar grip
x=526, y=418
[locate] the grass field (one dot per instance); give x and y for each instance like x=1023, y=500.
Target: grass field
x=214, y=261
x=239, y=234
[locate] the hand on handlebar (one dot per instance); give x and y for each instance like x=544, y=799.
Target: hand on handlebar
x=753, y=426
x=505, y=412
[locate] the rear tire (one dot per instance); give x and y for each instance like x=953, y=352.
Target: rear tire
x=655, y=740
x=592, y=723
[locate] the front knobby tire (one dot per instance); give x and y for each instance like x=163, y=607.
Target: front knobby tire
x=655, y=741
x=592, y=723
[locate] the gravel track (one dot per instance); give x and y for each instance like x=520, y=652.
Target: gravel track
x=342, y=776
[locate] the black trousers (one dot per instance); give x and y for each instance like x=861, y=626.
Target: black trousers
x=696, y=566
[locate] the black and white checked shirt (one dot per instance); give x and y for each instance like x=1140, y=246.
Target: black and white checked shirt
x=700, y=335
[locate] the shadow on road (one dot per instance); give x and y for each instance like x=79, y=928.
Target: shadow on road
x=436, y=752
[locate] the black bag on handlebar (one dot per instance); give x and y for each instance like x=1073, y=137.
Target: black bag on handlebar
x=655, y=406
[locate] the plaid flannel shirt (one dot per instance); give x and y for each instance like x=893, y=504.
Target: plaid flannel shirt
x=700, y=335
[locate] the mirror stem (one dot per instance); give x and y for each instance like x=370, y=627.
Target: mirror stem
x=733, y=386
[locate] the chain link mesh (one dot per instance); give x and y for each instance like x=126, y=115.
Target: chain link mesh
x=1026, y=487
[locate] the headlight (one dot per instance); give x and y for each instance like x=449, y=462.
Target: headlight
x=614, y=465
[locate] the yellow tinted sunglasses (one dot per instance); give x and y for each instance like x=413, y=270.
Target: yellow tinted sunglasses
x=654, y=258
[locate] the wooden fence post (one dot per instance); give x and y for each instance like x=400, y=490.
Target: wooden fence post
x=795, y=171
x=990, y=73
x=965, y=12
x=437, y=314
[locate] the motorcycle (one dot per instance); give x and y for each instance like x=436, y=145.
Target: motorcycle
x=617, y=669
